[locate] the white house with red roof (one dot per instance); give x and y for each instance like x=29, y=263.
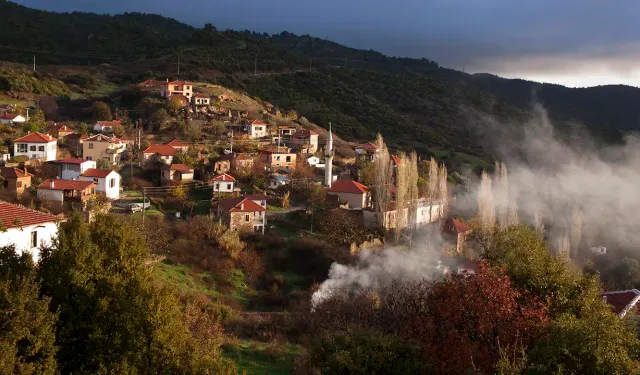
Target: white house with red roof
x=106, y=126
x=12, y=119
x=107, y=181
x=623, y=302
x=307, y=139
x=352, y=192
x=36, y=146
x=257, y=129
x=73, y=168
x=201, y=100
x=26, y=229
x=223, y=183
x=66, y=191
x=159, y=153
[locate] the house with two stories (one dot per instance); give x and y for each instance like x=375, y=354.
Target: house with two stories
x=305, y=139
x=26, y=229
x=60, y=194
x=223, y=183
x=102, y=147
x=367, y=151
x=71, y=169
x=60, y=131
x=106, y=126
x=280, y=157
x=36, y=146
x=14, y=182
x=177, y=88
x=107, y=181
x=257, y=129
x=242, y=214
x=176, y=173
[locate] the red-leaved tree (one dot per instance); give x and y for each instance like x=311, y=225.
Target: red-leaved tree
x=473, y=318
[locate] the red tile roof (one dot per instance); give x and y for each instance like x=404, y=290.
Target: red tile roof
x=202, y=96
x=460, y=226
x=348, y=186
x=622, y=301
x=223, y=177
x=244, y=156
x=256, y=197
x=65, y=185
x=36, y=138
x=257, y=122
x=179, y=167
x=110, y=123
x=240, y=204
x=73, y=161
x=96, y=173
x=59, y=128
x=102, y=138
x=8, y=116
x=176, y=143
x=15, y=216
x=368, y=147
x=304, y=133
x=396, y=160
x=11, y=172
x=162, y=150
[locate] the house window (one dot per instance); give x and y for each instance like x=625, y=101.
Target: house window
x=90, y=146
x=228, y=186
x=176, y=88
x=246, y=218
x=278, y=158
x=288, y=159
x=40, y=148
x=32, y=148
x=95, y=180
x=89, y=158
x=112, y=183
x=217, y=186
x=22, y=147
x=34, y=239
x=187, y=87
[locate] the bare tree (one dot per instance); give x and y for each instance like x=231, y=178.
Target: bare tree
x=382, y=177
x=486, y=207
x=402, y=195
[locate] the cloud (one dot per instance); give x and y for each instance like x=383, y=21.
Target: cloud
x=488, y=35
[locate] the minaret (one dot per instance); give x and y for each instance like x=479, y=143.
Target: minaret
x=328, y=163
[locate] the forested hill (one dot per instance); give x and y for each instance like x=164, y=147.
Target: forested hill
x=413, y=102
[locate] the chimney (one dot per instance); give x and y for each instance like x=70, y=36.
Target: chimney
x=51, y=184
x=242, y=206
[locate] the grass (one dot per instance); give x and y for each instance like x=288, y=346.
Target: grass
x=185, y=280
x=275, y=208
x=9, y=100
x=103, y=90
x=257, y=358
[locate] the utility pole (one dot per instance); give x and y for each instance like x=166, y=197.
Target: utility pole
x=144, y=198
x=34, y=63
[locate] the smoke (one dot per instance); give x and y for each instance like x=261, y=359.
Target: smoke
x=376, y=270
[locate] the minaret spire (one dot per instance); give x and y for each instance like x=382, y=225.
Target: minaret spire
x=328, y=165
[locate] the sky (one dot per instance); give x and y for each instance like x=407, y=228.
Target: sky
x=576, y=43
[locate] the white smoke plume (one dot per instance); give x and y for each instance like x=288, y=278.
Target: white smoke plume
x=376, y=270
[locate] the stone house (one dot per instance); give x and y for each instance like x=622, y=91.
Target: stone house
x=176, y=173
x=281, y=157
x=242, y=214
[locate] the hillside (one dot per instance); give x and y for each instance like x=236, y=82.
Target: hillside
x=414, y=103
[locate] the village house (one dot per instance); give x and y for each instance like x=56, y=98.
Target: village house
x=242, y=161
x=424, y=212
x=178, y=145
x=162, y=154
x=60, y=192
x=223, y=183
x=201, y=100
x=623, y=302
x=36, y=146
x=14, y=182
x=305, y=139
x=367, y=151
x=106, y=126
x=107, y=181
x=259, y=199
x=242, y=214
x=457, y=231
x=280, y=157
x=257, y=129
x=12, y=119
x=177, y=88
x=352, y=192
x=71, y=169
x=59, y=131
x=102, y=147
x=176, y=173
x=314, y=161
x=223, y=164
x=286, y=131
x=26, y=229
